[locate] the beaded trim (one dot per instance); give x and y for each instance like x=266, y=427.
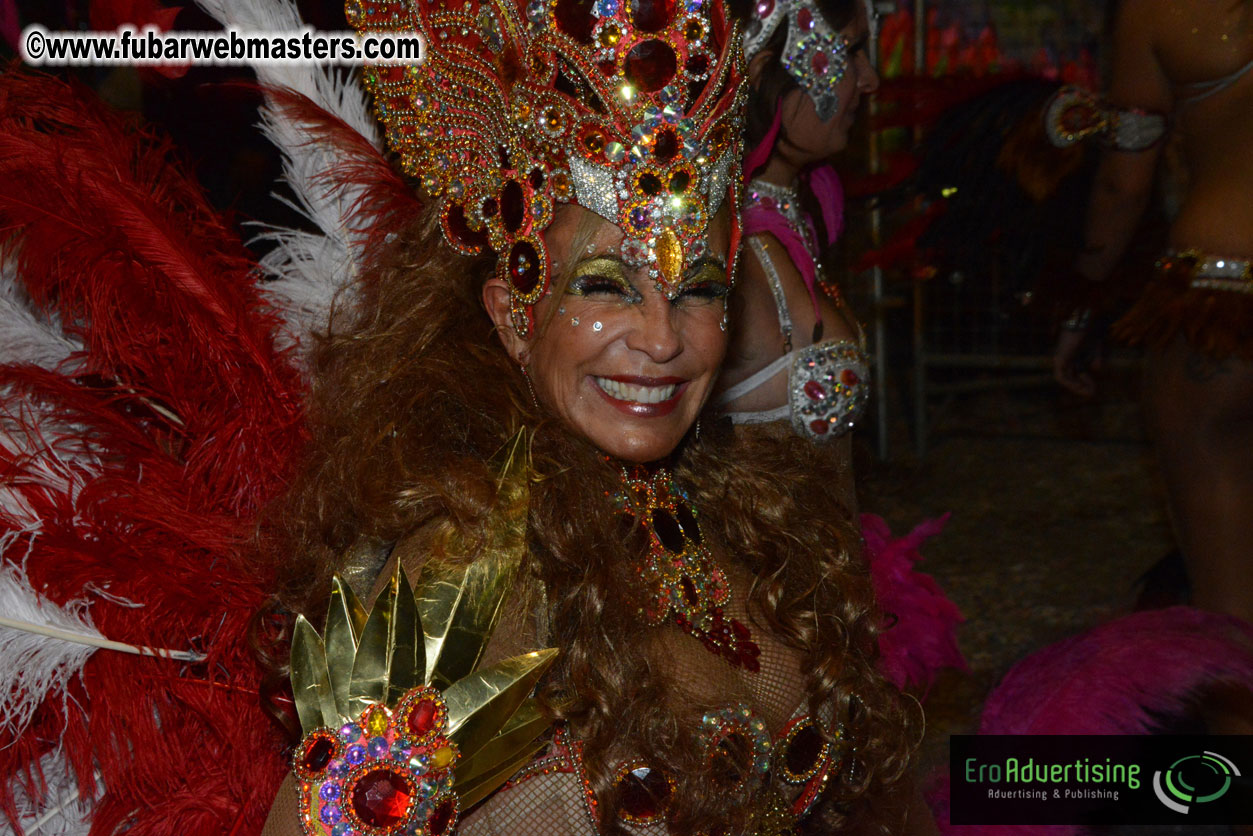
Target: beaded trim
x=684, y=583
x=1212, y=272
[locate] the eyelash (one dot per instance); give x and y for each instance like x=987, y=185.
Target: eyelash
x=705, y=291
x=591, y=285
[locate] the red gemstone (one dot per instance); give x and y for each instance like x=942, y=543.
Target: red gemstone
x=380, y=798
x=698, y=64
x=689, y=590
x=650, y=65
x=849, y=377
x=665, y=146
x=765, y=7
x=643, y=793
x=819, y=427
x=820, y=63
x=804, y=20
x=422, y=718
x=440, y=819
x=804, y=750
x=814, y=391
x=652, y=15
x=318, y=755
x=524, y=267
x=460, y=230
x=575, y=18
x=512, y=206
x=667, y=530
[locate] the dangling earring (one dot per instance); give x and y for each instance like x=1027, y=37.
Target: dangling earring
x=527, y=377
x=697, y=437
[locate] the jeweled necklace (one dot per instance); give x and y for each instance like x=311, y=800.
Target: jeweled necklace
x=684, y=582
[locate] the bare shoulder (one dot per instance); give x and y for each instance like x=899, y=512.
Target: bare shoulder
x=835, y=322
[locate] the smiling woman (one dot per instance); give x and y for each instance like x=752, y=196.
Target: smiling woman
x=716, y=634
x=624, y=361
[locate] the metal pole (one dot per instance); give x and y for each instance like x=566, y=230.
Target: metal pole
x=879, y=325
x=919, y=297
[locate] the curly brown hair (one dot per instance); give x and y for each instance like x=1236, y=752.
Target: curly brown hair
x=413, y=394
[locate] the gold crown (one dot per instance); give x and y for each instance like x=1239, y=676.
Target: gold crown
x=628, y=108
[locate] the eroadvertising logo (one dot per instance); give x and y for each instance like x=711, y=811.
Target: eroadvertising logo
x=1108, y=779
x=1194, y=779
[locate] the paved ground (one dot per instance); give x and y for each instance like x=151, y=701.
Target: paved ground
x=1056, y=512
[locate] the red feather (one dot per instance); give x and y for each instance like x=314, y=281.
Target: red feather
x=195, y=420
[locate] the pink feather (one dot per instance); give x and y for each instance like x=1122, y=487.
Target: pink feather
x=1118, y=678
x=921, y=637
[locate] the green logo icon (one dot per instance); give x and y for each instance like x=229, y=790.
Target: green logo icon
x=1194, y=779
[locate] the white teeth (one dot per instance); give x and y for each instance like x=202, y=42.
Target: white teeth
x=634, y=393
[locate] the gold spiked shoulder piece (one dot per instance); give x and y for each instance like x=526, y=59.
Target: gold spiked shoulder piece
x=403, y=729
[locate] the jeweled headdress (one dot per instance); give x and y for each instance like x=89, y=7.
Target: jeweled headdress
x=628, y=108
x=814, y=54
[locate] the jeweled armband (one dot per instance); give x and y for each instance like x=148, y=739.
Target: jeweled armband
x=403, y=730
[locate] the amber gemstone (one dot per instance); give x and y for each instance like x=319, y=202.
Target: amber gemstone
x=524, y=267
x=667, y=530
x=849, y=377
x=512, y=206
x=694, y=30
x=380, y=798
x=575, y=18
x=650, y=184
x=803, y=750
x=650, y=65
x=593, y=141
x=665, y=146
x=688, y=521
x=610, y=35
x=439, y=820
x=643, y=794
x=421, y=719
x=652, y=15
x=318, y=754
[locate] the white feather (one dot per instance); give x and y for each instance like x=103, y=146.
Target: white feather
x=27, y=336
x=57, y=460
x=59, y=808
x=308, y=271
x=43, y=645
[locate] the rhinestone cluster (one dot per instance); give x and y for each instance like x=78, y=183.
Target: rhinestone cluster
x=384, y=774
x=629, y=108
x=815, y=55
x=828, y=389
x=683, y=582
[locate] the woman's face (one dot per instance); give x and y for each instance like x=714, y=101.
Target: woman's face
x=810, y=138
x=621, y=364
